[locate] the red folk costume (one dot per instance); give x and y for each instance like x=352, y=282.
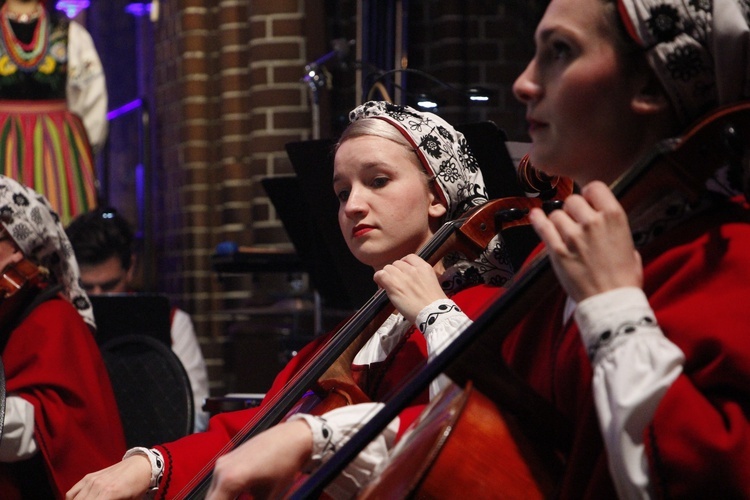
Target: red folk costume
x=653, y=385
x=53, y=363
x=698, y=443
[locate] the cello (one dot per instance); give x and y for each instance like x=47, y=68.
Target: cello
x=473, y=358
x=328, y=375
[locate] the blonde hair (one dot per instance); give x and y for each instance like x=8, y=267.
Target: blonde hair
x=375, y=127
x=378, y=128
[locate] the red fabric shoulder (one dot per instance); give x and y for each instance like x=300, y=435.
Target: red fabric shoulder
x=475, y=300
x=191, y=458
x=53, y=361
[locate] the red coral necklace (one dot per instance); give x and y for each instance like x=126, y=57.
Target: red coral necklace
x=25, y=55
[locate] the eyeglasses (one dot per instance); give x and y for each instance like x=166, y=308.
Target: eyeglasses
x=108, y=213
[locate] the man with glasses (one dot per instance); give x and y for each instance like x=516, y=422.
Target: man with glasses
x=103, y=244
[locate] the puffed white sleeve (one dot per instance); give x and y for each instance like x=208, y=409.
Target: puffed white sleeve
x=86, y=89
x=185, y=345
x=333, y=429
x=634, y=364
x=440, y=323
x=17, y=442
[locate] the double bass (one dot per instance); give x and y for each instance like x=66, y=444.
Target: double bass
x=472, y=360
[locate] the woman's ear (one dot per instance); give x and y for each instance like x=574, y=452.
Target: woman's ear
x=436, y=210
x=650, y=97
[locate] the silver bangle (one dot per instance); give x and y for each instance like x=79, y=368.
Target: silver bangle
x=156, y=460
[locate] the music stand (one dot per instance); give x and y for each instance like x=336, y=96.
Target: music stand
x=123, y=314
x=308, y=209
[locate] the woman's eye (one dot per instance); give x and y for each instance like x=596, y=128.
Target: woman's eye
x=342, y=195
x=560, y=50
x=379, y=182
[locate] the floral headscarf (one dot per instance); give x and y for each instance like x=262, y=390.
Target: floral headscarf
x=445, y=154
x=442, y=150
x=29, y=219
x=699, y=49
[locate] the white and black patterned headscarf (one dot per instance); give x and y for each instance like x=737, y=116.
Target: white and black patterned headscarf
x=442, y=150
x=29, y=219
x=445, y=155
x=699, y=49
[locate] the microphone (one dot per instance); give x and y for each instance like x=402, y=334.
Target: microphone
x=316, y=78
x=341, y=48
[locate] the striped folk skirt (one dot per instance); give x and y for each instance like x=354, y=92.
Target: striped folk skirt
x=45, y=146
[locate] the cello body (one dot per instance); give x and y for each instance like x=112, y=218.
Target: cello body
x=462, y=434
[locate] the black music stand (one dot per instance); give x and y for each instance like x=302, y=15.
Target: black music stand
x=122, y=314
x=308, y=208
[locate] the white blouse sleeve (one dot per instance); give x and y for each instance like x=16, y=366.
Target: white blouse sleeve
x=332, y=430
x=440, y=323
x=634, y=364
x=86, y=89
x=185, y=345
x=17, y=442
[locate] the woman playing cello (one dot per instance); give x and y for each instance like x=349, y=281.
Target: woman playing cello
x=398, y=175
x=652, y=370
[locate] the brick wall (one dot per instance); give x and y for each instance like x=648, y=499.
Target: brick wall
x=228, y=99
x=483, y=43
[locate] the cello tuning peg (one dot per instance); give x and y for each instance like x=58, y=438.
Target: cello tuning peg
x=510, y=215
x=551, y=205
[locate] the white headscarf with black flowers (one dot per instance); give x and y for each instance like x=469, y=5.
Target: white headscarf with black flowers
x=445, y=154
x=29, y=219
x=699, y=49
x=442, y=150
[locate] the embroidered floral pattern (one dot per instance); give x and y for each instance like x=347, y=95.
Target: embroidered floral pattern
x=36, y=229
x=664, y=23
x=492, y=267
x=628, y=328
x=685, y=63
x=672, y=210
x=443, y=151
x=433, y=316
x=678, y=36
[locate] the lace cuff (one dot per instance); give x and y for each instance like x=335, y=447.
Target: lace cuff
x=440, y=309
x=605, y=318
x=157, y=464
x=322, y=440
